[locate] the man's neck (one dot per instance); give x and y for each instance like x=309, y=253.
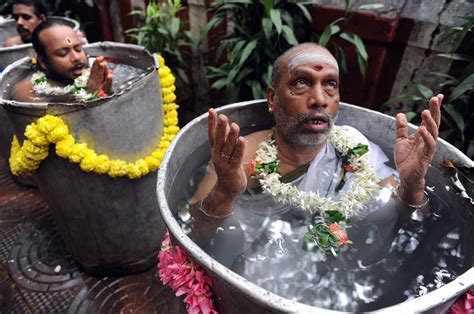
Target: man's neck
x=295, y=154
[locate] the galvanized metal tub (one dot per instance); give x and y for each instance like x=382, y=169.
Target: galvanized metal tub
x=233, y=293
x=110, y=225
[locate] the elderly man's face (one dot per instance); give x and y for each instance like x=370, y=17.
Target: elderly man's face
x=65, y=58
x=306, y=99
x=26, y=20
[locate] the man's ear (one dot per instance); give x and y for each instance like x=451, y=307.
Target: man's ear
x=42, y=17
x=270, y=98
x=41, y=63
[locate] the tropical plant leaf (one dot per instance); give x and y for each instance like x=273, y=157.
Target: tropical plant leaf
x=249, y=48
x=373, y=6
x=457, y=118
x=267, y=28
x=456, y=56
x=398, y=98
x=219, y=83
x=464, y=86
x=424, y=91
x=289, y=35
x=410, y=115
x=328, y=31
x=275, y=16
x=305, y=12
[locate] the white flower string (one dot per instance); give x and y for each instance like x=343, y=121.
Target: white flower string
x=363, y=189
x=41, y=86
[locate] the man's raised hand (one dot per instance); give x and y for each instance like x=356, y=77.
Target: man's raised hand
x=100, y=78
x=414, y=153
x=227, y=151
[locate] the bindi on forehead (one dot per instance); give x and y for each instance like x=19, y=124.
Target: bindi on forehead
x=318, y=67
x=68, y=41
x=315, y=59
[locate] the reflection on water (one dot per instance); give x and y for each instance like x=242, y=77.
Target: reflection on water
x=377, y=271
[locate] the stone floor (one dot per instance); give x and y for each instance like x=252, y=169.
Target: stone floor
x=38, y=275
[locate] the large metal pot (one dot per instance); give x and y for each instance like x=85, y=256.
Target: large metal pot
x=111, y=226
x=233, y=293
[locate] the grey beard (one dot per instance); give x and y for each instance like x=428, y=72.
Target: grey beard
x=291, y=129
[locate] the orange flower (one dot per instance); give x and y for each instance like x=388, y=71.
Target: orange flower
x=340, y=233
x=252, y=166
x=347, y=166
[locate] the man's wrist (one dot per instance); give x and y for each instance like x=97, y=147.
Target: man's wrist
x=218, y=204
x=413, y=193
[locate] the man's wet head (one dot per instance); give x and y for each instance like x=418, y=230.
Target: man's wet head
x=59, y=50
x=28, y=14
x=304, y=95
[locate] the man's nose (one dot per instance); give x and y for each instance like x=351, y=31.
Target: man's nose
x=318, y=97
x=20, y=21
x=74, y=55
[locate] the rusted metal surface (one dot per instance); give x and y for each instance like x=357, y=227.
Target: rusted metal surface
x=38, y=274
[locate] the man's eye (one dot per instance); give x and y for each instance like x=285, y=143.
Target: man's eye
x=26, y=17
x=61, y=53
x=301, y=82
x=332, y=84
x=78, y=48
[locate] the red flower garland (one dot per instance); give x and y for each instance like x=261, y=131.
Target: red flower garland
x=185, y=277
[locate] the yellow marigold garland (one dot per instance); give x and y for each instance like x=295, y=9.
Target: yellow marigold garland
x=49, y=129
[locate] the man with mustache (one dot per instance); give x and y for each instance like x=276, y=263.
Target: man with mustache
x=27, y=14
x=62, y=61
x=304, y=99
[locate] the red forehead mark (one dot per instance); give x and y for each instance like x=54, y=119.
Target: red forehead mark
x=69, y=40
x=318, y=67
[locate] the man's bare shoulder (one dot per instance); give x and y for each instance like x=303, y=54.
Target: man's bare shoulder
x=23, y=91
x=253, y=140
x=13, y=41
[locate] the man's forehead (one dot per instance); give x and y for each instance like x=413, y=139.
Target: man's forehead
x=313, y=56
x=23, y=9
x=59, y=36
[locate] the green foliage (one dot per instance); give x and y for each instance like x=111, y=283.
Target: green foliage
x=457, y=110
x=262, y=30
x=163, y=32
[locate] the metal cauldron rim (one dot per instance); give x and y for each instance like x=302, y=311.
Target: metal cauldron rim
x=105, y=45
x=277, y=303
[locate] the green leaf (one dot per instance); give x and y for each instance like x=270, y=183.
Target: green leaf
x=329, y=30
x=219, y=83
x=357, y=42
x=373, y=6
x=305, y=11
x=410, y=115
x=289, y=35
x=456, y=56
x=424, y=91
x=464, y=86
x=267, y=28
x=342, y=60
x=457, y=118
x=398, y=98
x=256, y=90
x=268, y=7
x=175, y=24
x=247, y=51
x=276, y=19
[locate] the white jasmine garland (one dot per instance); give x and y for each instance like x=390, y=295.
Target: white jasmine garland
x=41, y=86
x=363, y=189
